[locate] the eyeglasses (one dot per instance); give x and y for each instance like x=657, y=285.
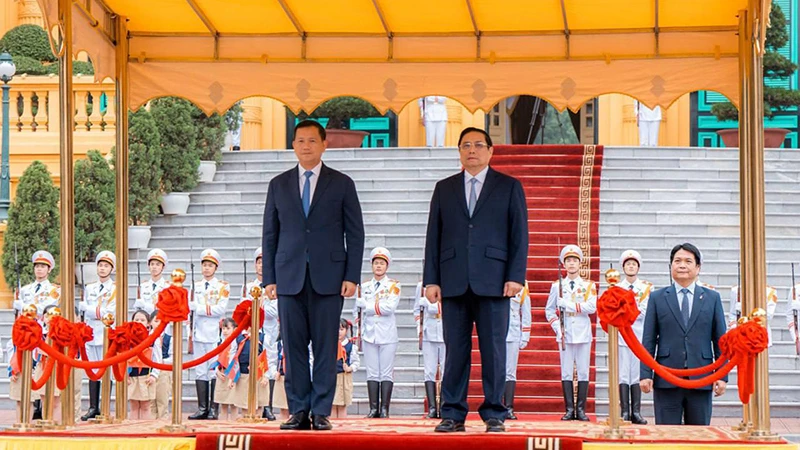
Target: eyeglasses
x=467, y=146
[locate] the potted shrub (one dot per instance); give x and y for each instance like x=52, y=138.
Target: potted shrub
x=144, y=175
x=33, y=224
x=180, y=157
x=94, y=213
x=775, y=98
x=211, y=132
x=339, y=111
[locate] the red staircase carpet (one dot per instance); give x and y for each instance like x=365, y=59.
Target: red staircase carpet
x=562, y=187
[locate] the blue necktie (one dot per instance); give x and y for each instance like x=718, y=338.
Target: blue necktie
x=307, y=192
x=472, y=197
x=685, y=306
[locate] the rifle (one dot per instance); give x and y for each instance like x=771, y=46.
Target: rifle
x=19, y=282
x=360, y=320
x=244, y=275
x=421, y=317
x=561, y=311
x=796, y=324
x=138, y=277
x=738, y=291
x=191, y=314
x=83, y=294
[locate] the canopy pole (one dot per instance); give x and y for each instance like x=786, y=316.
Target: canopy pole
x=751, y=204
x=121, y=106
x=66, y=165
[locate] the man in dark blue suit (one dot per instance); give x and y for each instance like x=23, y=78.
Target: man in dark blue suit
x=476, y=253
x=313, y=242
x=682, y=328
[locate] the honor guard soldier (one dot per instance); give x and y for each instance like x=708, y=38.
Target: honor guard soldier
x=736, y=309
x=378, y=302
x=629, y=390
x=270, y=328
x=793, y=314
x=99, y=299
x=519, y=333
x=41, y=293
x=576, y=301
x=209, y=306
x=433, y=349
x=149, y=289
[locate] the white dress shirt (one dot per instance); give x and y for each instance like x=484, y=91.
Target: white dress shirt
x=312, y=181
x=481, y=177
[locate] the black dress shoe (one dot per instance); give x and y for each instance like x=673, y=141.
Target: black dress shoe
x=495, y=426
x=298, y=421
x=449, y=426
x=321, y=423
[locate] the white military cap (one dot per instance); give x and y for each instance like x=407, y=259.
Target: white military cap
x=381, y=252
x=257, y=254
x=571, y=250
x=158, y=255
x=106, y=256
x=43, y=257
x=210, y=254
x=630, y=254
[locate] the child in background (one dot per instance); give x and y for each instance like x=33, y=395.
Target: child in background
x=162, y=352
x=141, y=378
x=347, y=362
x=223, y=395
x=241, y=366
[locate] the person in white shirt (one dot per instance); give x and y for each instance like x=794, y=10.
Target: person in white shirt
x=433, y=113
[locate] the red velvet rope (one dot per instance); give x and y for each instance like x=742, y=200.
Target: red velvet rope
x=47, y=370
x=196, y=362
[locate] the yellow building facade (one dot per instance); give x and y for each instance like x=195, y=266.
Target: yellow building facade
x=616, y=122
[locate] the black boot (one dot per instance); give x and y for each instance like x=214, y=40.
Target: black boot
x=624, y=402
x=37, y=410
x=386, y=398
x=430, y=394
x=636, y=405
x=267, y=414
x=373, y=390
x=94, y=401
x=202, y=400
x=580, y=407
x=508, y=397
x=569, y=400
x=213, y=411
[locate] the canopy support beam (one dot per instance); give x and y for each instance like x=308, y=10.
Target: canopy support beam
x=566, y=29
x=121, y=168
x=207, y=22
x=66, y=171
x=657, y=30
x=387, y=29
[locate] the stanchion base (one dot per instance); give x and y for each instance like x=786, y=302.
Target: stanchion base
x=611, y=433
x=21, y=428
x=766, y=436
x=742, y=426
x=104, y=419
x=173, y=428
x=252, y=419
x=44, y=424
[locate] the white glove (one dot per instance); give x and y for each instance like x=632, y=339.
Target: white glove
x=272, y=374
x=361, y=303
x=523, y=344
x=562, y=303
x=795, y=305
x=738, y=307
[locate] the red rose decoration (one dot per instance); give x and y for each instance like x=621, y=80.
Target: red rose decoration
x=83, y=334
x=725, y=344
x=617, y=307
x=242, y=314
x=62, y=332
x=751, y=339
x=173, y=304
x=128, y=335
x=26, y=333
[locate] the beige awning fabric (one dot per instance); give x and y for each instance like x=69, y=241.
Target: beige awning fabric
x=390, y=52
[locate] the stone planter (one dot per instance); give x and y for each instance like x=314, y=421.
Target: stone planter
x=773, y=137
x=345, y=138
x=175, y=203
x=138, y=236
x=206, y=171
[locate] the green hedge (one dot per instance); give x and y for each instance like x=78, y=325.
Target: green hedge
x=28, y=40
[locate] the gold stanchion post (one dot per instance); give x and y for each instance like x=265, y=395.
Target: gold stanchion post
x=252, y=415
x=48, y=402
x=613, y=431
x=26, y=372
x=105, y=394
x=178, y=276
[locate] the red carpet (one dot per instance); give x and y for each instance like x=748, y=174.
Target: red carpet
x=562, y=187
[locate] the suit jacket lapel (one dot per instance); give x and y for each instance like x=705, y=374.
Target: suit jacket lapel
x=458, y=189
x=319, y=190
x=294, y=188
x=697, y=306
x=488, y=185
x=672, y=301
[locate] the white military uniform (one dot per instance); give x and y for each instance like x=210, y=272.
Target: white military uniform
x=649, y=123
x=210, y=305
x=378, y=301
x=794, y=306
x=519, y=330
x=433, y=110
x=736, y=309
x=39, y=293
x=628, y=363
x=149, y=289
x=99, y=299
x=579, y=299
x=433, y=349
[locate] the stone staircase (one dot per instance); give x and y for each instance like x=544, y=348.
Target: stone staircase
x=642, y=192
x=652, y=199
